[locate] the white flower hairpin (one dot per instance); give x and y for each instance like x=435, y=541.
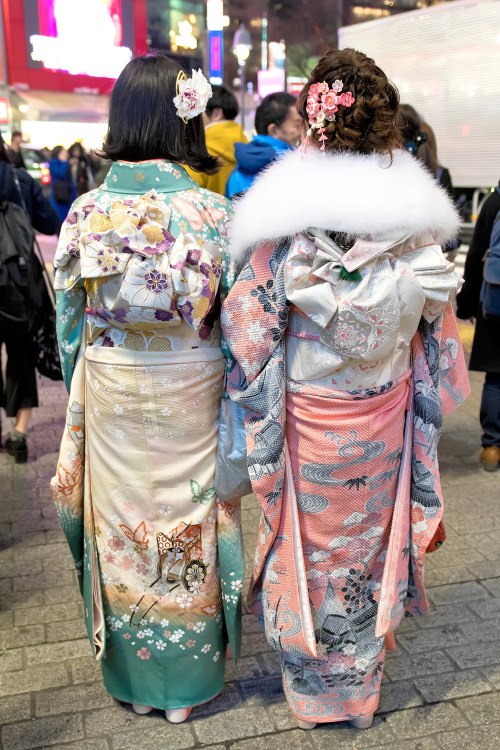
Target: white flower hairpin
x=192, y=95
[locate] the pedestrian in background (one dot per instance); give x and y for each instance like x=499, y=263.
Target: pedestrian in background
x=140, y=269
x=420, y=141
x=347, y=354
x=14, y=152
x=18, y=394
x=279, y=129
x=63, y=188
x=221, y=135
x=485, y=355
x=81, y=175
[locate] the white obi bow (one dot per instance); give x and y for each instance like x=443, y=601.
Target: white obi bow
x=356, y=320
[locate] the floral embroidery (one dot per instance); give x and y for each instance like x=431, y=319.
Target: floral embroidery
x=184, y=600
x=143, y=653
x=176, y=636
x=116, y=543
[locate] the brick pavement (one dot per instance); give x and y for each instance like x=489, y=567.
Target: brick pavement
x=440, y=691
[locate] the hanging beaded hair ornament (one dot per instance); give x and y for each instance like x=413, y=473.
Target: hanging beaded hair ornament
x=192, y=95
x=322, y=106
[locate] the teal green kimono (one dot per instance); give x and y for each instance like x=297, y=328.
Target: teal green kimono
x=141, y=268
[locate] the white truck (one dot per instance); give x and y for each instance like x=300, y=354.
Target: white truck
x=445, y=61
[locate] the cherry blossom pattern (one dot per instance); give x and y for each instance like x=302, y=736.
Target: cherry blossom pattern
x=116, y=543
x=143, y=653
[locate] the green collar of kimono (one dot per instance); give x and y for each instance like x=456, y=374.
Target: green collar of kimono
x=140, y=177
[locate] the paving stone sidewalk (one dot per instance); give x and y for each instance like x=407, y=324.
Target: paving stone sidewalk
x=441, y=691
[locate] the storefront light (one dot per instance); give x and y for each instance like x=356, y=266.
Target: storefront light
x=185, y=36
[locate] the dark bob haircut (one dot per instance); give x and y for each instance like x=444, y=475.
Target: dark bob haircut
x=143, y=122
x=223, y=99
x=273, y=110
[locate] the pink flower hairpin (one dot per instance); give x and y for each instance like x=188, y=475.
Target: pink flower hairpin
x=322, y=105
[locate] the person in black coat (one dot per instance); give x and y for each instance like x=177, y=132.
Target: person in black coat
x=485, y=355
x=18, y=395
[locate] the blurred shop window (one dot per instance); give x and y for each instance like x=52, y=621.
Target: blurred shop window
x=176, y=26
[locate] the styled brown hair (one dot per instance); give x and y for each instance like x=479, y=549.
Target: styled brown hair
x=369, y=125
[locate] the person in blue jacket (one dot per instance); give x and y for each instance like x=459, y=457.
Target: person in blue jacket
x=279, y=129
x=63, y=191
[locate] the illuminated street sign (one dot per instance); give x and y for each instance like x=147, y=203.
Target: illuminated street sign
x=215, y=23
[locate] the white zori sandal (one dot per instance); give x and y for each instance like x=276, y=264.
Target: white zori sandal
x=362, y=722
x=141, y=709
x=305, y=724
x=177, y=715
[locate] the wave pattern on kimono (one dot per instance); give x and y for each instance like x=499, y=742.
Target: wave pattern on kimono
x=158, y=555
x=347, y=481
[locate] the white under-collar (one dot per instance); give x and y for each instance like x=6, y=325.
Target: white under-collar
x=363, y=195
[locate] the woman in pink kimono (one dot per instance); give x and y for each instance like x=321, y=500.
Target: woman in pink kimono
x=346, y=356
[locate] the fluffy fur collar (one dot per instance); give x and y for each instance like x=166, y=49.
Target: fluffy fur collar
x=358, y=194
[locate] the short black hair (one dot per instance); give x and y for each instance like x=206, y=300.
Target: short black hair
x=273, y=109
x=143, y=121
x=15, y=133
x=223, y=99
x=54, y=154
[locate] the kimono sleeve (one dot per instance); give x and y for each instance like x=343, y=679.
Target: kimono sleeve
x=229, y=271
x=436, y=277
x=71, y=296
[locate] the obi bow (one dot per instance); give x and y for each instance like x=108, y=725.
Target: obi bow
x=315, y=266
x=154, y=277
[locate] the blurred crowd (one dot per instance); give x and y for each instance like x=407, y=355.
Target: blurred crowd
x=277, y=130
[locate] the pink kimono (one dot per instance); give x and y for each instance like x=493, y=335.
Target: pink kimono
x=346, y=359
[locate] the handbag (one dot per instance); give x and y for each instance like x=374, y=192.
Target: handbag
x=232, y=480
x=48, y=362
x=438, y=538
x=61, y=191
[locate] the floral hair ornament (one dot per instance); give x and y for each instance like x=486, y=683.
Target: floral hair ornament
x=322, y=106
x=192, y=95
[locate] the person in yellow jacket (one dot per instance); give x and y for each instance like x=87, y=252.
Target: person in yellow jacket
x=221, y=133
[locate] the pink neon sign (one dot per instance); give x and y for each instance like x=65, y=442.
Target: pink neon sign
x=81, y=38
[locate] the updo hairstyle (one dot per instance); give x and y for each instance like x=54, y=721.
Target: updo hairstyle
x=369, y=125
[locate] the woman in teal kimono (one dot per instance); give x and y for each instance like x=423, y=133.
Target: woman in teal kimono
x=141, y=269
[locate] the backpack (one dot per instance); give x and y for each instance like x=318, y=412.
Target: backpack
x=490, y=290
x=21, y=294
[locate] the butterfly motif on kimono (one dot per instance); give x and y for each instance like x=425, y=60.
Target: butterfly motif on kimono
x=199, y=495
x=211, y=610
x=139, y=536
x=68, y=480
x=228, y=509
